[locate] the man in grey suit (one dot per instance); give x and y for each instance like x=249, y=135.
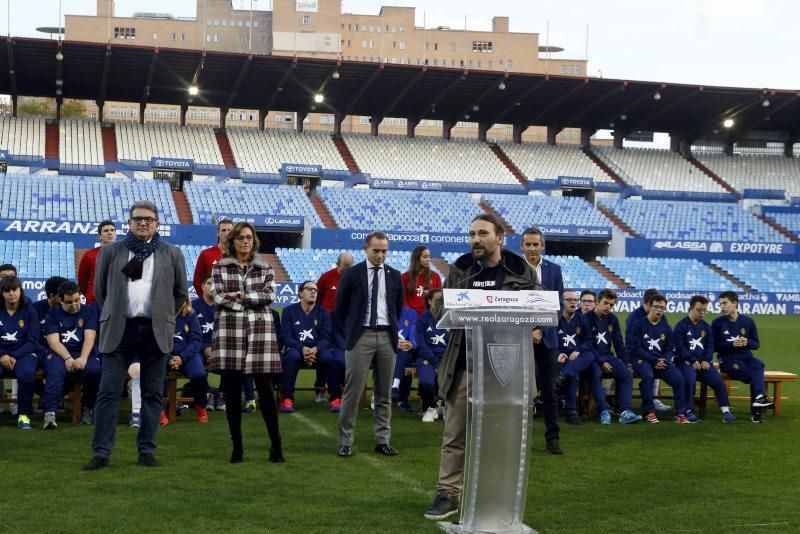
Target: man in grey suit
x=140, y=283
x=369, y=302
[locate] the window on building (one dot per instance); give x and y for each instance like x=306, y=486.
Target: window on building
x=216, y=38
x=394, y=45
x=240, y=23
x=113, y=113
x=436, y=46
x=510, y=64
x=172, y=37
x=490, y=64
x=123, y=113
x=481, y=46
x=402, y=29
x=247, y=23
x=577, y=69
x=124, y=32
x=363, y=27
x=326, y=119
x=264, y=40
x=216, y=22
x=224, y=22
x=183, y=37
x=363, y=120
x=363, y=44
x=306, y=19
x=479, y=63
x=155, y=36
x=427, y=45
x=563, y=69
x=134, y=113
x=371, y=28
x=208, y=37
x=372, y=44
x=402, y=45
x=379, y=29
x=209, y=22
x=255, y=24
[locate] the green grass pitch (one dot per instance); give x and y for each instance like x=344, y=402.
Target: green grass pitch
x=707, y=477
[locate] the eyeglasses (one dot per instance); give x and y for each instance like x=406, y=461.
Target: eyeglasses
x=243, y=238
x=570, y=300
x=587, y=301
x=146, y=220
x=701, y=311
x=658, y=307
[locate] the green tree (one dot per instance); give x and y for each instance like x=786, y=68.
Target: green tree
x=46, y=107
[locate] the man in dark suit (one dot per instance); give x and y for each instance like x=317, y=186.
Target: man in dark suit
x=368, y=303
x=545, y=340
x=140, y=283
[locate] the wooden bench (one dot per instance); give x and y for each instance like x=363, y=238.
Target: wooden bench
x=774, y=378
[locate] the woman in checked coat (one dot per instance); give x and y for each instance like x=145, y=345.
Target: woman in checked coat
x=245, y=339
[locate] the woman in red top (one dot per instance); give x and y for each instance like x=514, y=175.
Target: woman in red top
x=419, y=279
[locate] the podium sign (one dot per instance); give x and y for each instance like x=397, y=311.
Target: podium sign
x=500, y=387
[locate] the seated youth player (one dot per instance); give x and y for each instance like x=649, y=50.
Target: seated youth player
x=651, y=353
x=187, y=358
x=19, y=345
x=205, y=309
x=694, y=354
x=577, y=360
x=71, y=331
x=306, y=332
x=636, y=315
x=604, y=327
x=735, y=339
x=404, y=357
x=432, y=344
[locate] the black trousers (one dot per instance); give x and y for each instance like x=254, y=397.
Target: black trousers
x=545, y=360
x=231, y=386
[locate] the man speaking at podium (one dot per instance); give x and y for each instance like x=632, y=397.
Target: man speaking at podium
x=486, y=267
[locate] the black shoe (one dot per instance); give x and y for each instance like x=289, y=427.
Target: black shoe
x=385, y=449
x=443, y=507
x=406, y=407
x=762, y=401
x=98, y=462
x=345, y=451
x=276, y=455
x=757, y=418
x=237, y=455
x=148, y=460
x=553, y=447
x=572, y=418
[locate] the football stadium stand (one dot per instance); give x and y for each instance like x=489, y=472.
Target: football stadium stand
x=80, y=143
x=776, y=276
x=666, y=273
x=39, y=259
x=140, y=142
x=209, y=198
x=91, y=199
x=22, y=136
x=522, y=211
x=428, y=158
x=655, y=219
x=790, y=221
x=540, y=160
x=662, y=170
x=755, y=171
x=265, y=151
x=368, y=209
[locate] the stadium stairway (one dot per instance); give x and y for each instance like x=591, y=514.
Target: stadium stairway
x=711, y=174
x=606, y=169
x=728, y=276
x=488, y=209
x=182, y=205
x=347, y=156
x=280, y=271
x=51, y=137
x=619, y=223
x=777, y=227
x=502, y=156
x=225, y=148
x=109, y=143
x=322, y=211
x=608, y=274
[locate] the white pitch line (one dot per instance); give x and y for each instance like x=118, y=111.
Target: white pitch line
x=761, y=524
x=376, y=463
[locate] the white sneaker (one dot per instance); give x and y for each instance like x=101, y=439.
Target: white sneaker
x=430, y=415
x=49, y=421
x=13, y=408
x=321, y=398
x=660, y=406
x=372, y=402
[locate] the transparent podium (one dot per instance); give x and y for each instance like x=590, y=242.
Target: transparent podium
x=500, y=387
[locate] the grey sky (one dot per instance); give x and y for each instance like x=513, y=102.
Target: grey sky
x=711, y=42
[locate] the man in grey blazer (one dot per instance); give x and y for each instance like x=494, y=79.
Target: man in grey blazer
x=140, y=283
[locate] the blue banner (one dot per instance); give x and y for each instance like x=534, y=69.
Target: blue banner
x=301, y=169
x=265, y=221
x=172, y=164
x=4, y=155
x=769, y=210
x=552, y=231
x=749, y=303
x=575, y=182
x=764, y=194
x=709, y=250
x=649, y=194
x=426, y=185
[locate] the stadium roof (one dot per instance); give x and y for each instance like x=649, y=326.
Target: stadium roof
x=114, y=72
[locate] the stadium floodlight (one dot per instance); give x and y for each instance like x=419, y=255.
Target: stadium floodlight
x=728, y=123
x=765, y=103
x=318, y=98
x=335, y=75
x=502, y=86
x=193, y=90
x=476, y=107
x=657, y=96
x=59, y=56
